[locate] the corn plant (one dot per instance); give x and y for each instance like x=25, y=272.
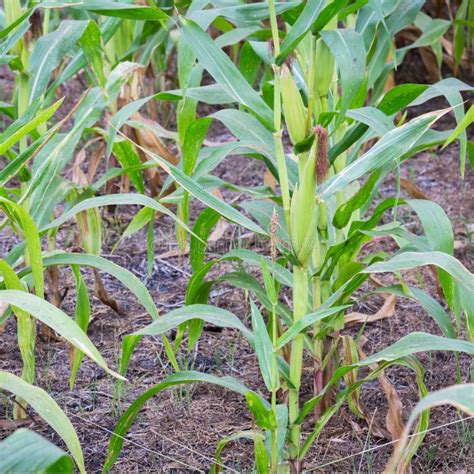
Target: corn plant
x=33, y=189
x=342, y=127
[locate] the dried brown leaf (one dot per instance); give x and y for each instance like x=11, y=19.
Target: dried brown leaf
x=386, y=311
x=269, y=180
x=412, y=189
x=394, y=420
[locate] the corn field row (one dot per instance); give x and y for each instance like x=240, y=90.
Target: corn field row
x=306, y=89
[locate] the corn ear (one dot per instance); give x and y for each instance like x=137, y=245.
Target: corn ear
x=293, y=106
x=303, y=211
x=324, y=69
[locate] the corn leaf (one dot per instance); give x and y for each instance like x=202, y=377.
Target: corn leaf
x=130, y=415
x=302, y=25
x=49, y=410
x=126, y=10
x=347, y=46
x=221, y=68
x=385, y=152
x=409, y=260
x=91, y=45
x=57, y=320
x=48, y=52
x=110, y=200
x=27, y=451
x=207, y=198
x=127, y=278
x=210, y=314
x=428, y=303
x=263, y=349
x=418, y=342
x=13, y=134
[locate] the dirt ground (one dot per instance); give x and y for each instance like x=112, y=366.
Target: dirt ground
x=178, y=429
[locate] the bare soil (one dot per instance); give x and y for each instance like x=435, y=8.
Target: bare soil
x=178, y=429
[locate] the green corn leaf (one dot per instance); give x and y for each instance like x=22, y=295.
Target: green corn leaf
x=385, y=152
x=91, y=45
x=17, y=165
x=249, y=63
x=216, y=468
x=467, y=120
x=81, y=317
x=126, y=10
x=33, y=242
x=207, y=198
x=440, y=237
x=429, y=304
x=459, y=396
x=263, y=348
x=202, y=228
x=435, y=223
x=26, y=332
x=127, y=156
x=130, y=415
x=239, y=13
x=374, y=118
x=8, y=139
x=121, y=117
x=261, y=456
x=248, y=129
x=49, y=51
x=451, y=89
x=418, y=342
x=432, y=32
x=213, y=94
x=280, y=273
x=8, y=109
x=14, y=24
x=144, y=216
x=107, y=30
x=221, y=68
x=27, y=451
x=302, y=25
x=467, y=304
x=198, y=289
x=393, y=101
x=57, y=320
x=248, y=282
x=193, y=141
x=264, y=416
x=307, y=321
x=210, y=314
x=111, y=200
x=359, y=199
x=347, y=46
x=127, y=278
x=49, y=410
x=409, y=260
x=459, y=35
